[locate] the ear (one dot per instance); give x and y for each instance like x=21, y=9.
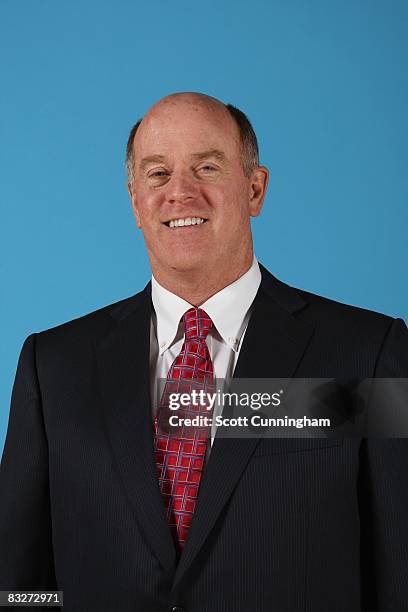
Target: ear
x=257, y=190
x=135, y=209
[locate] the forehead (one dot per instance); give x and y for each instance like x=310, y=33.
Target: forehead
x=185, y=128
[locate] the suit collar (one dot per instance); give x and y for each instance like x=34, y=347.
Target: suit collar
x=283, y=295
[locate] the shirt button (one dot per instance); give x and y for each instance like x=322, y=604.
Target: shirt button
x=178, y=609
x=162, y=345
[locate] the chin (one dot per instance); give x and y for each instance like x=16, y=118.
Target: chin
x=187, y=263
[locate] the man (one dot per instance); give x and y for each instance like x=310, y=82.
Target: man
x=90, y=501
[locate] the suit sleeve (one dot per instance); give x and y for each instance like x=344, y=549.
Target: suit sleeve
x=26, y=559
x=383, y=489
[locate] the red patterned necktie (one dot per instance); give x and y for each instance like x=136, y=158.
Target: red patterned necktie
x=180, y=452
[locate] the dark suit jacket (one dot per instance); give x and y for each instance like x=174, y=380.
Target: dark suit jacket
x=312, y=525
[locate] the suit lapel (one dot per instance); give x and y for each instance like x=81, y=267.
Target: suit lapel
x=123, y=366
x=273, y=346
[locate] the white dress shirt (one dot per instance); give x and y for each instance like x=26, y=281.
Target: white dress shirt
x=229, y=310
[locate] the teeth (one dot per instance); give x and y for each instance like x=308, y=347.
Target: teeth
x=187, y=221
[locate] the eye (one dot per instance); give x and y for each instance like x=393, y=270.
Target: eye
x=157, y=174
x=208, y=168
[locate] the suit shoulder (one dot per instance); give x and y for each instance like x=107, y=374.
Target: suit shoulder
x=322, y=311
x=94, y=323
x=343, y=325
x=340, y=311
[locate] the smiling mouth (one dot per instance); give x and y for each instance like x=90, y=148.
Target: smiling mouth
x=185, y=222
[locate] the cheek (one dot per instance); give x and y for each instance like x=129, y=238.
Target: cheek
x=230, y=203
x=147, y=206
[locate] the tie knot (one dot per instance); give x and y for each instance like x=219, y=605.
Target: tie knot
x=197, y=324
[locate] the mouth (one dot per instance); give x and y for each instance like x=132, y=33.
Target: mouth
x=185, y=222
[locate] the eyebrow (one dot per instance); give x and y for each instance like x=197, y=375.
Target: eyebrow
x=159, y=159
x=152, y=159
x=216, y=153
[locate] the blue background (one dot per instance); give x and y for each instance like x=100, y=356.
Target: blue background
x=324, y=83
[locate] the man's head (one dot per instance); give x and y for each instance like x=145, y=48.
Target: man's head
x=192, y=157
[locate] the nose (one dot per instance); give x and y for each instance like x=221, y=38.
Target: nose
x=181, y=189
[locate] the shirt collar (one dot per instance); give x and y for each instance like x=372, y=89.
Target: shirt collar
x=227, y=309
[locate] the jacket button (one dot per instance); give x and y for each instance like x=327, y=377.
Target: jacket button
x=178, y=609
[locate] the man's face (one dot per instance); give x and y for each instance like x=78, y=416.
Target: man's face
x=190, y=195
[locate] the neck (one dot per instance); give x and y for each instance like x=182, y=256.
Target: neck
x=197, y=286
